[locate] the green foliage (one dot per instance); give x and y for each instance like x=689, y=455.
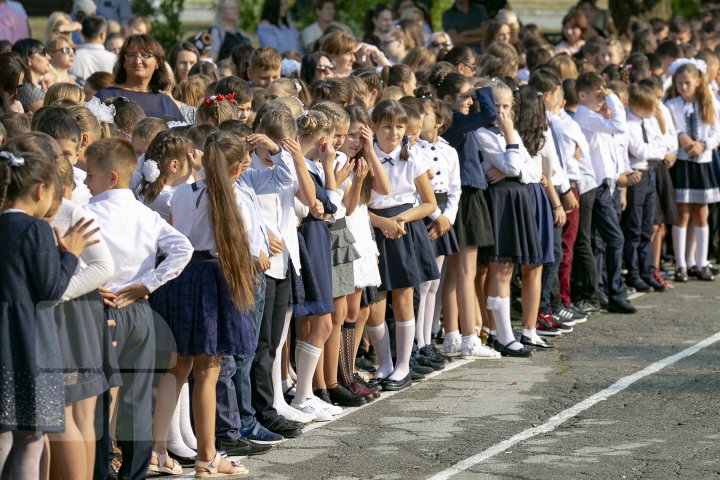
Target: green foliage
x=165, y=21
x=439, y=6
x=250, y=14
x=686, y=7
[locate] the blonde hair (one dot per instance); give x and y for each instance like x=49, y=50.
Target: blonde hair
x=702, y=94
x=565, y=66
x=419, y=58
x=89, y=123
x=191, y=90
x=312, y=125
x=64, y=91
x=55, y=21
x=215, y=112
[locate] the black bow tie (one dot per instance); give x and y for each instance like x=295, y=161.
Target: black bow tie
x=388, y=160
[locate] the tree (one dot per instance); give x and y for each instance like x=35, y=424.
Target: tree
x=165, y=21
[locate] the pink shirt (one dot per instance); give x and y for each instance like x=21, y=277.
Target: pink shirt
x=13, y=26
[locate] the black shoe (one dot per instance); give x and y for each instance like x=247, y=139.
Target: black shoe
x=587, y=306
x=681, y=275
x=692, y=271
x=417, y=376
x=657, y=286
x=345, y=398
x=524, y=352
x=424, y=361
x=323, y=395
x=362, y=363
x=241, y=447
x=579, y=311
x=376, y=383
x=438, y=337
x=705, y=274
x=621, y=306
x=283, y=426
x=490, y=342
x=639, y=285
x=429, y=352
x=603, y=299
x=395, y=385
x=372, y=356
x=541, y=344
x=183, y=461
x=414, y=365
x=715, y=270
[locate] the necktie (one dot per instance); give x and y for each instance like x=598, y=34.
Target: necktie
x=644, y=131
x=557, y=145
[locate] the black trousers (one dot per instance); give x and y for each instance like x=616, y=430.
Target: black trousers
x=637, y=225
x=277, y=303
x=584, y=274
x=606, y=222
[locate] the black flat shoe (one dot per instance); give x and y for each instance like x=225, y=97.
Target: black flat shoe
x=241, y=447
x=395, y=385
x=376, y=383
x=183, y=461
x=705, y=274
x=524, y=352
x=621, y=306
x=363, y=363
x=541, y=345
x=421, y=369
x=283, y=426
x=681, y=275
x=417, y=376
x=343, y=397
x=323, y=395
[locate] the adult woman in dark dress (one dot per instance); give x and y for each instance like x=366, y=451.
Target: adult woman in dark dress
x=138, y=77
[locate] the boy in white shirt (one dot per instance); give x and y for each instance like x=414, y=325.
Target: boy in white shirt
x=134, y=234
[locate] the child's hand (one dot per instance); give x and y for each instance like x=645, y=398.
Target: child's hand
x=695, y=149
x=559, y=217
x=634, y=178
x=107, y=295
x=670, y=159
x=578, y=153
x=275, y=244
x=569, y=202
x=430, y=173
x=494, y=175
x=327, y=153
x=443, y=224
x=366, y=136
x=685, y=141
x=361, y=170
x=77, y=238
x=129, y=294
x=392, y=228
x=263, y=263
x=544, y=181
x=605, y=111
x=343, y=172
x=317, y=210
x=261, y=140
x=505, y=124
x=622, y=181
x=623, y=200
x=292, y=146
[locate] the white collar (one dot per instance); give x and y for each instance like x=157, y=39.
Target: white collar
x=119, y=193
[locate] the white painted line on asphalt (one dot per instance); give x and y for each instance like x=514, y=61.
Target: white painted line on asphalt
x=573, y=411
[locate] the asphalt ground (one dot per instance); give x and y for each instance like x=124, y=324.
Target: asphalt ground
x=524, y=418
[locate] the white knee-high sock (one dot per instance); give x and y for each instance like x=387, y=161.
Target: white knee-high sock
x=380, y=338
x=691, y=246
x=422, y=313
x=186, y=430
x=306, y=360
x=404, y=336
x=174, y=439
x=702, y=241
x=430, y=312
x=278, y=398
x=500, y=307
x=679, y=236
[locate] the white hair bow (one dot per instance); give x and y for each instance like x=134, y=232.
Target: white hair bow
x=150, y=171
x=103, y=113
x=696, y=62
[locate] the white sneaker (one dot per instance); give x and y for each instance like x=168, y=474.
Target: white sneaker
x=293, y=414
x=331, y=409
x=476, y=349
x=451, y=346
x=310, y=408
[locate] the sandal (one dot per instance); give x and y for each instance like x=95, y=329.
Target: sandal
x=161, y=459
x=211, y=469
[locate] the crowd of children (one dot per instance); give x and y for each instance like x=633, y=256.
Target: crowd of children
x=196, y=273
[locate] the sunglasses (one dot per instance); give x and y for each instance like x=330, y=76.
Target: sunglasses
x=438, y=45
x=65, y=50
x=322, y=68
x=40, y=51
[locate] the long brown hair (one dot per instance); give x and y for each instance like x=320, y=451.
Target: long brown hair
x=222, y=152
x=702, y=93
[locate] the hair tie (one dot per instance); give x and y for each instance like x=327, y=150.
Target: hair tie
x=406, y=140
x=298, y=87
x=516, y=90
x=539, y=94
x=12, y=160
x=103, y=113
x=150, y=171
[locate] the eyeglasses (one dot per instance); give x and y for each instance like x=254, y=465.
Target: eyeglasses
x=322, y=68
x=439, y=45
x=141, y=55
x=20, y=86
x=65, y=50
x=471, y=67
x=40, y=51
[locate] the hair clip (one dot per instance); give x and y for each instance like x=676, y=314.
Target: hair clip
x=12, y=160
x=442, y=78
x=539, y=94
x=304, y=113
x=516, y=89
x=150, y=171
x=406, y=140
x=297, y=84
x=103, y=113
x=174, y=123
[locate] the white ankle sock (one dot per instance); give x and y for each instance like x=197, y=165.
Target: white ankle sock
x=186, y=431
x=451, y=336
x=702, y=240
x=380, y=338
x=278, y=390
x=404, y=335
x=500, y=307
x=679, y=236
x=306, y=359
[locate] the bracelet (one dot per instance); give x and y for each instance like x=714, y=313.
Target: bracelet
x=558, y=207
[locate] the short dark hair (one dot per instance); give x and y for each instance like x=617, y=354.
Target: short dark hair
x=235, y=85
x=589, y=82
x=545, y=79
x=669, y=49
x=15, y=123
x=115, y=154
x=93, y=27
x=198, y=134
x=57, y=122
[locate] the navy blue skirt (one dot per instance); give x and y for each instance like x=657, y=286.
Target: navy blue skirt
x=473, y=225
x=514, y=226
x=447, y=244
x=407, y=261
x=200, y=313
x=695, y=182
x=317, y=265
x=665, y=205
x=544, y=218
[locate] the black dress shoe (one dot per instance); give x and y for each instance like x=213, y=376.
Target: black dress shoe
x=681, y=275
x=345, y=398
x=621, y=306
x=416, y=376
x=395, y=385
x=524, y=352
x=241, y=447
x=183, y=461
x=283, y=426
x=490, y=342
x=692, y=271
x=376, y=383
x=363, y=363
x=414, y=365
x=639, y=285
x=323, y=395
x=705, y=274
x=541, y=345
x=424, y=361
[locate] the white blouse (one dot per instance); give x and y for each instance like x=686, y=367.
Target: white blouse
x=710, y=134
x=402, y=175
x=513, y=160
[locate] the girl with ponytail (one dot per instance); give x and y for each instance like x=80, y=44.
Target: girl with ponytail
x=216, y=289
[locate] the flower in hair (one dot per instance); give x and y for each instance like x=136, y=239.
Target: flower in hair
x=207, y=101
x=298, y=87
x=442, y=78
x=150, y=171
x=103, y=113
x=220, y=97
x=539, y=94
x=230, y=97
x=175, y=123
x=12, y=160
